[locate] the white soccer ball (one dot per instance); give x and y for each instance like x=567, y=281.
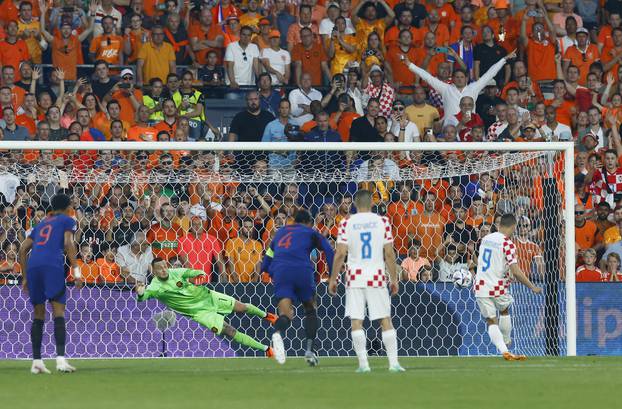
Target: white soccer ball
x=462, y=278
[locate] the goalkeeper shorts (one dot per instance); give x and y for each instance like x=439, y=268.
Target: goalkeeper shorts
x=489, y=306
x=214, y=319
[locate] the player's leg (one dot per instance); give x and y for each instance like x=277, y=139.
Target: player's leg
x=60, y=335
x=355, y=309
x=251, y=309
x=55, y=291
x=379, y=307
x=36, y=337
x=505, y=325
x=216, y=323
x=503, y=304
x=489, y=312
x=311, y=324
x=36, y=292
x=286, y=314
x=243, y=339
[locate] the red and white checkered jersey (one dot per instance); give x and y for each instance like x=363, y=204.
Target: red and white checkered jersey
x=496, y=254
x=365, y=234
x=603, y=188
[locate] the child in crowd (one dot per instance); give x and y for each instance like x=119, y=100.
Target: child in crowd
x=588, y=272
x=413, y=264
x=613, y=268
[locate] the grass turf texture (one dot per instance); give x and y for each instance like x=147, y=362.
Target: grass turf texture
x=581, y=382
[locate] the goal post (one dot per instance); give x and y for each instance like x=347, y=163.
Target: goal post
x=221, y=185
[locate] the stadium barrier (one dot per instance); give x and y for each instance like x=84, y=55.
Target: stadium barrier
x=432, y=319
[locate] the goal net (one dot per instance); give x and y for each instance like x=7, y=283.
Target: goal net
x=216, y=206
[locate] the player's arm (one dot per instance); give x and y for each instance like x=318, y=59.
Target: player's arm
x=191, y=273
x=72, y=255
x=325, y=246
x=522, y=278
x=389, y=259
x=143, y=293
x=23, y=258
x=267, y=260
x=339, y=259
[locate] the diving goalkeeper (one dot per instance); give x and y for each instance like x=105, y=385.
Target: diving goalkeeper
x=171, y=287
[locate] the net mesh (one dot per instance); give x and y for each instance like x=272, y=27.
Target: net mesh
x=217, y=212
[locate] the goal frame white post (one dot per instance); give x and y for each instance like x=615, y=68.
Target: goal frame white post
x=567, y=148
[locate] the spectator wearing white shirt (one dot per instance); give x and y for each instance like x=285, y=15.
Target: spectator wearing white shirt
x=400, y=126
x=453, y=93
x=327, y=24
x=106, y=8
x=134, y=259
x=595, y=128
x=241, y=61
x=378, y=167
x=300, y=100
x=276, y=61
x=553, y=130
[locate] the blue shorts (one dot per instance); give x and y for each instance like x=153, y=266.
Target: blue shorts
x=297, y=285
x=46, y=283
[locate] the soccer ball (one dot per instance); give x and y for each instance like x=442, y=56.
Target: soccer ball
x=462, y=278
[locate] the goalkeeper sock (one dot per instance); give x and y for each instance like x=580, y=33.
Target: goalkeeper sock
x=257, y=312
x=497, y=338
x=311, y=324
x=281, y=324
x=245, y=340
x=389, y=339
x=358, y=342
x=505, y=325
x=59, y=335
x=36, y=336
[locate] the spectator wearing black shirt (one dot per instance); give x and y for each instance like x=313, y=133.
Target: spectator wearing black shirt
x=486, y=103
x=487, y=54
x=459, y=233
x=248, y=126
x=124, y=229
x=212, y=75
x=418, y=11
x=104, y=83
x=363, y=129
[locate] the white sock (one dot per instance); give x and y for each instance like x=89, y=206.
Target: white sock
x=37, y=361
x=505, y=325
x=389, y=339
x=497, y=338
x=359, y=343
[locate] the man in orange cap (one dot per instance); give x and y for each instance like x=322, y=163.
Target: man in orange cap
x=275, y=60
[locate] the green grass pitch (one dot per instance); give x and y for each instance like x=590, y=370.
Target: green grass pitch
x=568, y=383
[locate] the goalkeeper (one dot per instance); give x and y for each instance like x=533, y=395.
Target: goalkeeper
x=207, y=307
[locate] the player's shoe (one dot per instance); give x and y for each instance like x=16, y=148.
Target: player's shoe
x=311, y=358
x=269, y=352
x=397, y=368
x=278, y=348
x=271, y=318
x=363, y=369
x=38, y=367
x=63, y=366
x=508, y=356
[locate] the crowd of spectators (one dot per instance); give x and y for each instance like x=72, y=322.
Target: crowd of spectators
x=307, y=70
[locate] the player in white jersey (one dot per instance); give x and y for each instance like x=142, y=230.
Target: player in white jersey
x=366, y=239
x=496, y=264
